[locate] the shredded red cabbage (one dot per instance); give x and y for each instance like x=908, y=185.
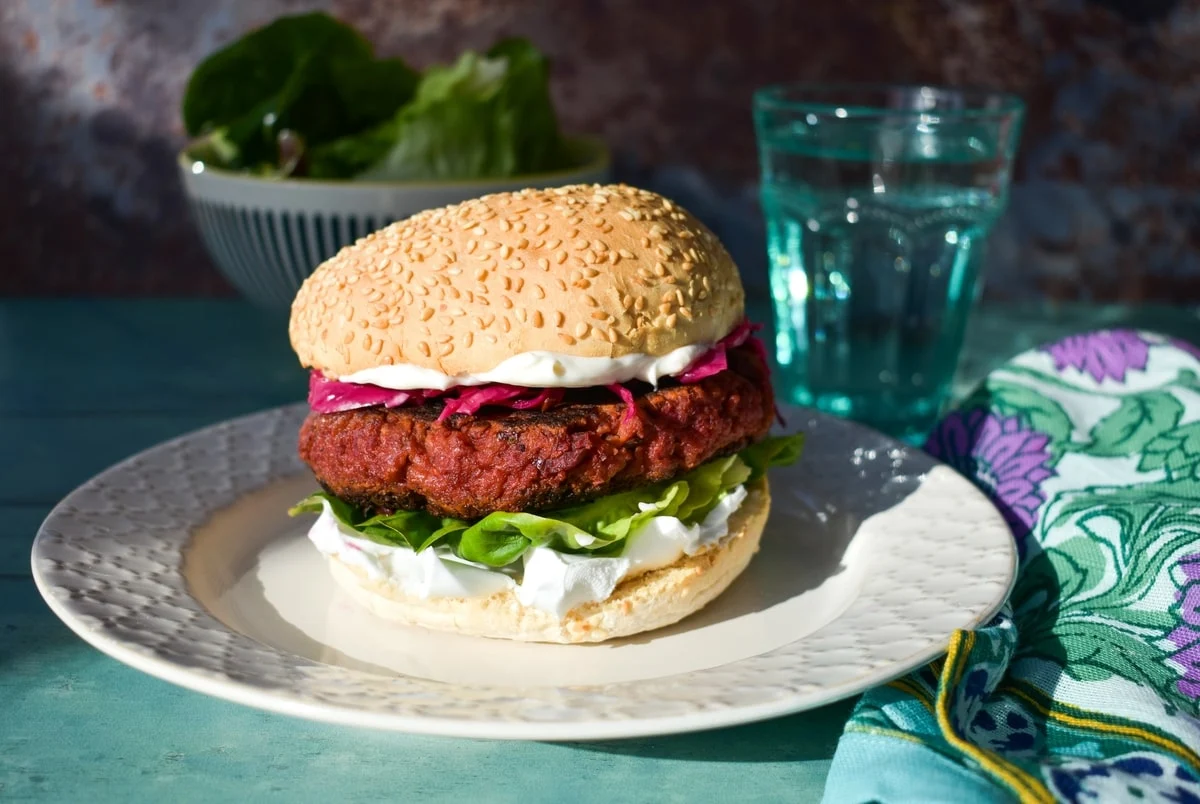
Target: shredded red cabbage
x=626, y=397
x=715, y=360
x=469, y=399
x=548, y=398
x=333, y=396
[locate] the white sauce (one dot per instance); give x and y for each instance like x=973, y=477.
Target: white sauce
x=538, y=370
x=553, y=582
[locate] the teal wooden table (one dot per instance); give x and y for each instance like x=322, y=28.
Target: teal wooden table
x=84, y=384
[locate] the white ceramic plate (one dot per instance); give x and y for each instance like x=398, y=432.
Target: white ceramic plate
x=183, y=563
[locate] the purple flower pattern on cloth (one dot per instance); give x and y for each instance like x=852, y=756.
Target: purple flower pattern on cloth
x=1106, y=353
x=1186, y=636
x=1102, y=417
x=1008, y=460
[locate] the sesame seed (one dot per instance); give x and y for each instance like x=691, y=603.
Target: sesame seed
x=523, y=243
x=582, y=329
x=491, y=244
x=559, y=318
x=686, y=313
x=507, y=282
x=567, y=339
x=471, y=246
x=611, y=335
x=599, y=315
x=505, y=226
x=480, y=287
x=349, y=337
x=506, y=302
x=446, y=349
x=626, y=253
x=468, y=338
x=639, y=304
x=505, y=252
x=521, y=314
x=427, y=314
x=505, y=324
x=590, y=301
x=553, y=244
x=481, y=274
x=665, y=308
x=444, y=338
x=424, y=348
x=591, y=273
x=479, y=231
x=660, y=269
x=445, y=320
x=537, y=318
x=490, y=338
x=560, y=257
x=544, y=263
x=579, y=244
x=541, y=228
x=672, y=319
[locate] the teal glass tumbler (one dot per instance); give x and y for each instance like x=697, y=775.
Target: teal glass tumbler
x=878, y=201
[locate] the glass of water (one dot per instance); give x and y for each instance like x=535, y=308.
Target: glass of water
x=878, y=201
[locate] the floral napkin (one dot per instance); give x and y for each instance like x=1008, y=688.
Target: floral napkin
x=1086, y=686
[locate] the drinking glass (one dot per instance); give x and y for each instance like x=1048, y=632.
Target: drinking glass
x=878, y=203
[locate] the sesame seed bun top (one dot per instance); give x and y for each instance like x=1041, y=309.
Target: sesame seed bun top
x=586, y=270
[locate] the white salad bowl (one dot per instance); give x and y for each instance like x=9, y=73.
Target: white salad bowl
x=267, y=235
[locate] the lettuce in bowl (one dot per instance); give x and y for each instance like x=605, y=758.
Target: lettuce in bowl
x=305, y=96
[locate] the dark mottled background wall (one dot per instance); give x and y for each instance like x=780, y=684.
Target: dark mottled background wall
x=1106, y=205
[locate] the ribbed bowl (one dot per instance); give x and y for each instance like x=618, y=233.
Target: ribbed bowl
x=267, y=235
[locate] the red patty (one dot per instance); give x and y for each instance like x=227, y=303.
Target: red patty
x=468, y=466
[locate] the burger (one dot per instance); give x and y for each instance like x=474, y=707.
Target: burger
x=539, y=415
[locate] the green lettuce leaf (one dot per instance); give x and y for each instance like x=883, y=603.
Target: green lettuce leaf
x=601, y=527
x=486, y=115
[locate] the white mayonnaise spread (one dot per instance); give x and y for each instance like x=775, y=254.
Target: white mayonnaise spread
x=538, y=370
x=551, y=581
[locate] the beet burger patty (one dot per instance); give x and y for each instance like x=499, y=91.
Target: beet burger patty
x=538, y=415
x=381, y=459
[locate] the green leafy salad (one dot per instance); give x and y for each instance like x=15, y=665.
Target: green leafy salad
x=598, y=528
x=305, y=96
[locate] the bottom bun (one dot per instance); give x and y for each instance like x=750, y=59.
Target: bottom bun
x=640, y=603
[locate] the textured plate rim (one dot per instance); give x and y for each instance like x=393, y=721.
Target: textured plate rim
x=287, y=702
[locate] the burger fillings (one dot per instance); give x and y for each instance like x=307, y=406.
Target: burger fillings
x=537, y=415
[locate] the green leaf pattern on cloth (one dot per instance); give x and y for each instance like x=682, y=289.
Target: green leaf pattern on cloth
x=1086, y=686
